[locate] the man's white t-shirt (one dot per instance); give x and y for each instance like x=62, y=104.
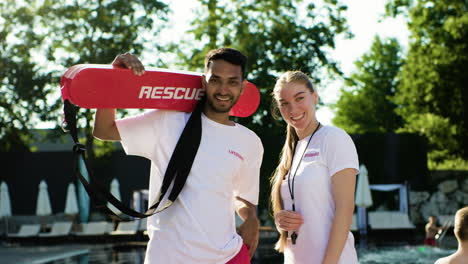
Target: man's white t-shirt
x=199, y=227
x=329, y=151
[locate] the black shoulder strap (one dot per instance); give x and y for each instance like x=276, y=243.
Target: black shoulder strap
x=177, y=171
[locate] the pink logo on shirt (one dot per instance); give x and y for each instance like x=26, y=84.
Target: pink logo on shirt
x=311, y=154
x=236, y=154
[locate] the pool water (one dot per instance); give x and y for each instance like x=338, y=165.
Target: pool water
x=108, y=255
x=100, y=254
x=382, y=255
x=402, y=255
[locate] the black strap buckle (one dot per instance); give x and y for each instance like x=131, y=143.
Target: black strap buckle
x=294, y=238
x=64, y=125
x=78, y=147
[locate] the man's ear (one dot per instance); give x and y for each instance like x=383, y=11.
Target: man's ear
x=244, y=83
x=203, y=81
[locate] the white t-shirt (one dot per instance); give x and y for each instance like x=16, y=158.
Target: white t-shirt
x=199, y=227
x=329, y=151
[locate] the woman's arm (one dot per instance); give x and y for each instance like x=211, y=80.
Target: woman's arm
x=343, y=185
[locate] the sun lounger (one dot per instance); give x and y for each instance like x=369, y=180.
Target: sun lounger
x=27, y=230
x=93, y=232
x=354, y=223
x=142, y=225
x=58, y=229
x=390, y=220
x=126, y=228
x=95, y=228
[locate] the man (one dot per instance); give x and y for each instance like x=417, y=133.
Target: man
x=431, y=229
x=461, y=233
x=199, y=227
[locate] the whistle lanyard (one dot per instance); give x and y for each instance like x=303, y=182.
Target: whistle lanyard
x=291, y=185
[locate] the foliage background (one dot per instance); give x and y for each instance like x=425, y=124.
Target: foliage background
x=420, y=91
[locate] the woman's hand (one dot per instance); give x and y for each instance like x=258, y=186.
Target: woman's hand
x=288, y=220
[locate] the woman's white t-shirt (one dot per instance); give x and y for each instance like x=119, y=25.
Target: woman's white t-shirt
x=330, y=151
x=200, y=226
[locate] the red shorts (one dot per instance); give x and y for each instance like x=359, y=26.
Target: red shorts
x=430, y=242
x=243, y=257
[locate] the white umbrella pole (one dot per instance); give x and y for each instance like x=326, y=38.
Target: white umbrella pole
x=363, y=201
x=5, y=204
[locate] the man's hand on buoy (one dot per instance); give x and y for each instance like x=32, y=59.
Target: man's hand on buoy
x=129, y=61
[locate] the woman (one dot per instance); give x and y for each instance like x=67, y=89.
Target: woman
x=313, y=185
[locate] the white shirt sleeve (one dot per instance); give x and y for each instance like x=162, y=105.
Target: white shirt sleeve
x=247, y=185
x=139, y=133
x=340, y=152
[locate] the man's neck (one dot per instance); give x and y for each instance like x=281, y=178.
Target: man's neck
x=222, y=118
x=463, y=247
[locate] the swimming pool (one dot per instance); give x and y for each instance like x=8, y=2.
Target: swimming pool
x=402, y=254
x=101, y=254
x=382, y=255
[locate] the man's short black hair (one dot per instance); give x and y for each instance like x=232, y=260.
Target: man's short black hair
x=230, y=55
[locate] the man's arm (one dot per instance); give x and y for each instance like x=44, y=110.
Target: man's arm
x=249, y=230
x=104, y=121
x=104, y=125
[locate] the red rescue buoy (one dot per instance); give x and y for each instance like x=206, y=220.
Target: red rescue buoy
x=105, y=86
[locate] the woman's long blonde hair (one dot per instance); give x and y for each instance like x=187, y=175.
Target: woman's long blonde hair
x=286, y=154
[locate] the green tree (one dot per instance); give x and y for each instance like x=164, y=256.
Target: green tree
x=276, y=35
x=366, y=104
x=433, y=89
x=21, y=84
x=40, y=39
x=273, y=36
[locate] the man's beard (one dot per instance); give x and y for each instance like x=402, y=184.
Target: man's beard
x=221, y=109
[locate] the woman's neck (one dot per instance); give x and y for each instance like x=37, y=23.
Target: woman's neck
x=314, y=125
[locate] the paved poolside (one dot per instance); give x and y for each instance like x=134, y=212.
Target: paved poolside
x=39, y=254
